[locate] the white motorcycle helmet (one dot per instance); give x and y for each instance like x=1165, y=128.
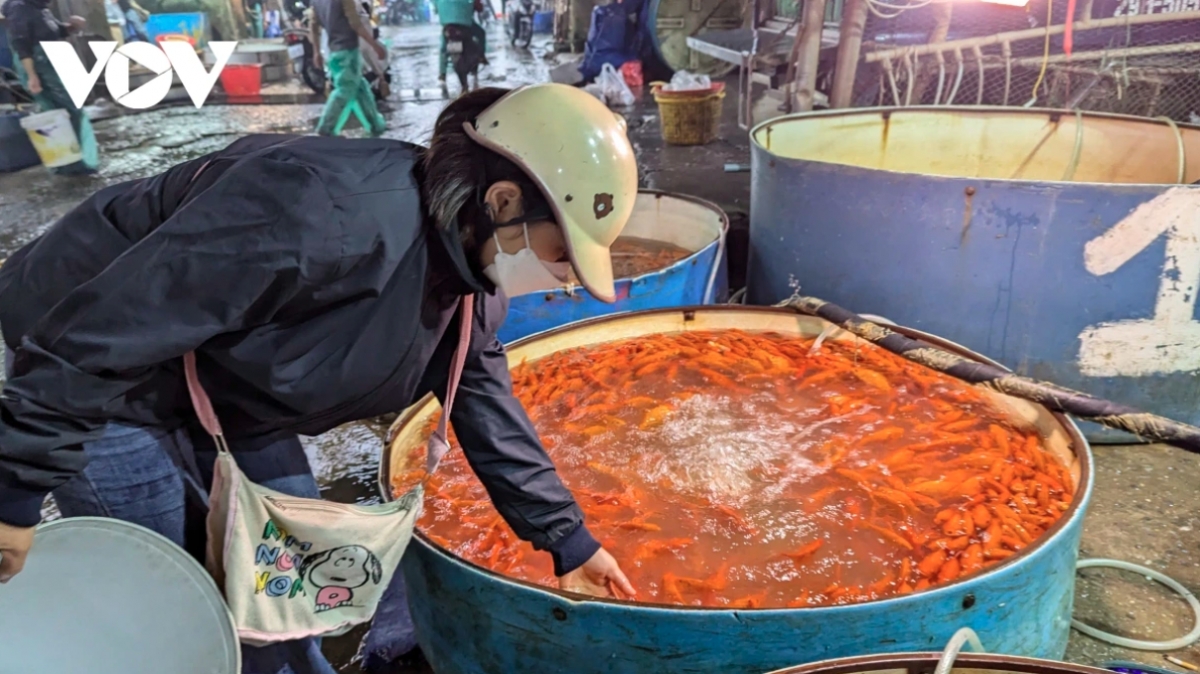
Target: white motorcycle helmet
x=577, y=151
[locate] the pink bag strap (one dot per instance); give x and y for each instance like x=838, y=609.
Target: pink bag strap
x=201, y=402
x=466, y=310
x=438, y=444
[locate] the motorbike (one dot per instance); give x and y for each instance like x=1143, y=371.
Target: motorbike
x=519, y=23
x=485, y=13
x=300, y=51
x=464, y=53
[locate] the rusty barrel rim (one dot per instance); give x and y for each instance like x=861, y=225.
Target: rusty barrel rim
x=1079, y=446
x=1052, y=114
x=922, y=662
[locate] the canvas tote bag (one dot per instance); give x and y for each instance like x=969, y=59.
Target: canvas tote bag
x=295, y=567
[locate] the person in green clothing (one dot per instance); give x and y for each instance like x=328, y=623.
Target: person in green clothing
x=345, y=26
x=460, y=12
x=29, y=23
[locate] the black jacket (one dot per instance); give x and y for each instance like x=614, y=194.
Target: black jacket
x=30, y=22
x=305, y=275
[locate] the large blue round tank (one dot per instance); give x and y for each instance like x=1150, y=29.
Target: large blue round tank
x=700, y=278
x=471, y=621
x=1062, y=245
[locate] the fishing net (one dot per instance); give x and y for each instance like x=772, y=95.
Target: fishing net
x=1139, y=57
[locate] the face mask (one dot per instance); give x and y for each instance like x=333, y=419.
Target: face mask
x=524, y=272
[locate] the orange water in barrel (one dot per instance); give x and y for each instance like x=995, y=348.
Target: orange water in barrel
x=748, y=470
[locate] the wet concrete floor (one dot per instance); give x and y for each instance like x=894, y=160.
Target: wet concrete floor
x=1146, y=507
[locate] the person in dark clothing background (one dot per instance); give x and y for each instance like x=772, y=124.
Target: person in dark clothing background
x=30, y=22
x=315, y=279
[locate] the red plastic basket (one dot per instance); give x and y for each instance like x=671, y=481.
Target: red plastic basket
x=242, y=79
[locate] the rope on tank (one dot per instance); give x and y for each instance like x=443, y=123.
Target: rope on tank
x=1056, y=398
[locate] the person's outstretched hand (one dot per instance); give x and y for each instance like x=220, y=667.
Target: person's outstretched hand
x=599, y=576
x=14, y=546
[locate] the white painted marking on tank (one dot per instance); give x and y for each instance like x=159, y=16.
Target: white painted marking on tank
x=1168, y=342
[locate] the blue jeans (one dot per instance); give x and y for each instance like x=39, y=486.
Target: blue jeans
x=131, y=476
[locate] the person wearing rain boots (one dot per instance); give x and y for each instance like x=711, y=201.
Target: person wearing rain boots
x=351, y=92
x=460, y=13
x=29, y=24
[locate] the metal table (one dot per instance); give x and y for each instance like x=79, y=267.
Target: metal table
x=757, y=52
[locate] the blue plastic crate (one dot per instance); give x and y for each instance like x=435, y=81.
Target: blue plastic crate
x=193, y=24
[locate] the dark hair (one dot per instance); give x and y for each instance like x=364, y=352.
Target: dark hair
x=458, y=171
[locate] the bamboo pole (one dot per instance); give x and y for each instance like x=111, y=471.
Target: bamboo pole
x=1154, y=50
x=1030, y=34
x=854, y=19
x=810, y=52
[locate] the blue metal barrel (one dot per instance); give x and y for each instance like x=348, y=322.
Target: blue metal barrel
x=470, y=620
x=1062, y=245
x=700, y=278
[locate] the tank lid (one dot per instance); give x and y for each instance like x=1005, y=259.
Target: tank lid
x=109, y=597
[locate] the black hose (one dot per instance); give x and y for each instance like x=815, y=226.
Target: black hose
x=1081, y=405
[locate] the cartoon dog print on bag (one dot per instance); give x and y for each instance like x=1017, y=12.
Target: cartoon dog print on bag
x=337, y=572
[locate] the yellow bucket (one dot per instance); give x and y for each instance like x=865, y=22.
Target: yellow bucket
x=689, y=117
x=53, y=138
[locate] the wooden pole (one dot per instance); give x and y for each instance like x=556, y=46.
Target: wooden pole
x=854, y=18
x=810, y=52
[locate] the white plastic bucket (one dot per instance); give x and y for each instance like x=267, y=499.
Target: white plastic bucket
x=53, y=138
x=108, y=597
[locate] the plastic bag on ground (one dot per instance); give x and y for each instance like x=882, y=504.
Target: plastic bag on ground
x=685, y=81
x=610, y=88
x=632, y=72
